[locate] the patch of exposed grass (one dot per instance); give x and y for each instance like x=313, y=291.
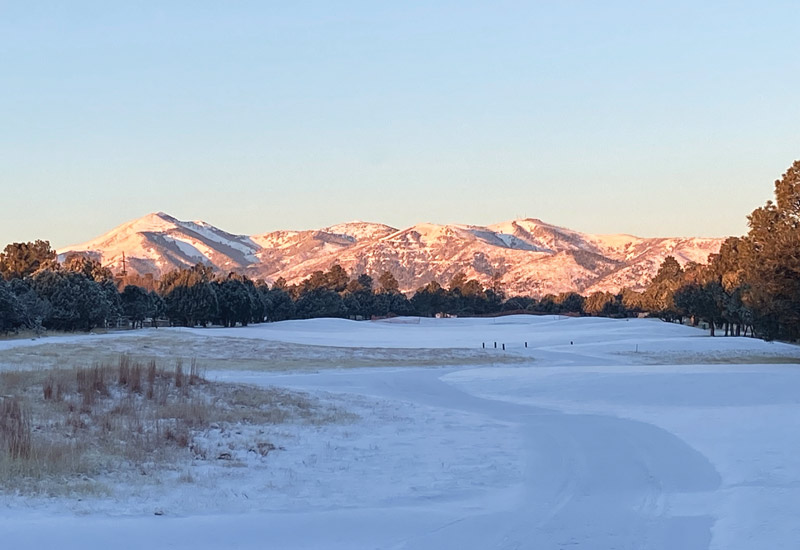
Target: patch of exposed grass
x=225, y=352
x=77, y=424
x=712, y=358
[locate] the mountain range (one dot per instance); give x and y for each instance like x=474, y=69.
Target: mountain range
x=525, y=256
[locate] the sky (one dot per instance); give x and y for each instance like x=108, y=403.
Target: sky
x=651, y=118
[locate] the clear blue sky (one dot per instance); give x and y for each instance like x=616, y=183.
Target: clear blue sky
x=653, y=118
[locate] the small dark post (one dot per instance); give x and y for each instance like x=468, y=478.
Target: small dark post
x=526, y=344
x=483, y=345
x=504, y=347
x=495, y=345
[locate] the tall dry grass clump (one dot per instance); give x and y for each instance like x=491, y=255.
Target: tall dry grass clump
x=152, y=372
x=179, y=373
x=60, y=427
x=15, y=429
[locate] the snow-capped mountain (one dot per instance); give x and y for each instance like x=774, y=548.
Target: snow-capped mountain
x=158, y=243
x=526, y=256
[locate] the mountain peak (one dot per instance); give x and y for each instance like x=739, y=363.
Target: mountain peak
x=360, y=230
x=529, y=256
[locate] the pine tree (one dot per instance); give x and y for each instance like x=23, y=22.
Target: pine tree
x=769, y=259
x=20, y=260
x=11, y=311
x=388, y=283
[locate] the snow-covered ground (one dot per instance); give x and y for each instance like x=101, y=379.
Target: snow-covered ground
x=608, y=434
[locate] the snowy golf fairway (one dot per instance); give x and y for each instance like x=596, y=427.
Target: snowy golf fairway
x=600, y=434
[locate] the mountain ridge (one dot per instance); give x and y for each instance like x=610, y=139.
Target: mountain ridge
x=525, y=256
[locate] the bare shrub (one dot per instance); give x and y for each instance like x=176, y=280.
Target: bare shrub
x=178, y=433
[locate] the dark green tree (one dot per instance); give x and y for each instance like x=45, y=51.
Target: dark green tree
x=277, y=302
x=569, y=302
x=12, y=315
x=358, y=297
x=76, y=302
x=189, y=296
x=137, y=304
x=429, y=300
x=320, y=302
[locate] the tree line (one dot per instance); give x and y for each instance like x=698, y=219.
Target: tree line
x=37, y=292
x=751, y=287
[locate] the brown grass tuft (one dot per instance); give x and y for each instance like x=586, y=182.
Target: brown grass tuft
x=15, y=428
x=178, y=373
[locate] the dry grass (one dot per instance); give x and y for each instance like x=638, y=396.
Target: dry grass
x=15, y=429
x=74, y=424
x=712, y=358
x=225, y=352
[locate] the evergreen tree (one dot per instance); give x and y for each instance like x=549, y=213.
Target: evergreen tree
x=659, y=296
x=429, y=300
x=88, y=267
x=238, y=301
x=34, y=308
x=11, y=311
x=569, y=302
x=189, y=296
x=20, y=260
x=277, y=302
x=770, y=263
x=707, y=302
x=392, y=303
x=320, y=302
x=519, y=303
x=137, y=304
x=76, y=302
x=599, y=303
x=388, y=283
x=336, y=278
x=358, y=297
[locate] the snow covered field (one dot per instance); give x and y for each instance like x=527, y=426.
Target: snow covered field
x=599, y=434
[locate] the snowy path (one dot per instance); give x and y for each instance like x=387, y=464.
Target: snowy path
x=612, y=455
x=592, y=481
